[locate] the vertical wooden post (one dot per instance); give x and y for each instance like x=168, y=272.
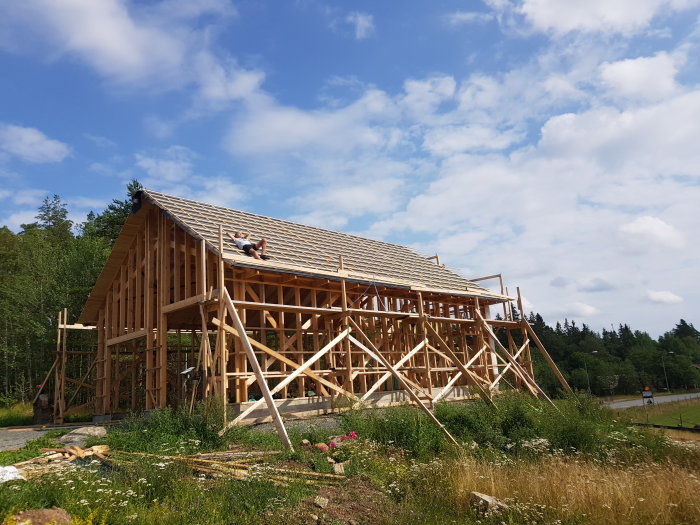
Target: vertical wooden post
x=428, y=382
x=223, y=350
x=57, y=397
x=350, y=386
x=527, y=357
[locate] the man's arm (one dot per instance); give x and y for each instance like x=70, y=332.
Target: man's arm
x=231, y=236
x=247, y=236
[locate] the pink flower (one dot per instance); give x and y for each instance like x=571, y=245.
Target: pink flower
x=322, y=447
x=402, y=452
x=332, y=444
x=343, y=437
x=353, y=435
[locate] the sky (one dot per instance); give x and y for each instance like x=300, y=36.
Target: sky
x=554, y=141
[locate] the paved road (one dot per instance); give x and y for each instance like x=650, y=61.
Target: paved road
x=657, y=400
x=11, y=439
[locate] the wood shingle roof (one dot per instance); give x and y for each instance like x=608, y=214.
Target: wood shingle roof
x=311, y=249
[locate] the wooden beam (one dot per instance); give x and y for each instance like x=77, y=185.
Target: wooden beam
x=184, y=303
x=530, y=382
x=290, y=377
x=127, y=337
x=376, y=354
x=453, y=357
x=546, y=355
x=288, y=361
x=277, y=420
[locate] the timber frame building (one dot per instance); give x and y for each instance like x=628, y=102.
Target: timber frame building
x=330, y=320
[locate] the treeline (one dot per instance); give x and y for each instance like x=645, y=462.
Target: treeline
x=49, y=265
x=619, y=361
x=52, y=264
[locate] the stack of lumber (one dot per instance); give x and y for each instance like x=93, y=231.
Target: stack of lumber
x=58, y=457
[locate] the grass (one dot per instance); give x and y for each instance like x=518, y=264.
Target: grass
x=16, y=415
x=575, y=464
x=672, y=414
x=31, y=448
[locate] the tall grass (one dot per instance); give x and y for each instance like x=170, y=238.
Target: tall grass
x=15, y=415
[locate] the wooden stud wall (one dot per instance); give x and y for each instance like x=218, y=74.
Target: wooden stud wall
x=165, y=312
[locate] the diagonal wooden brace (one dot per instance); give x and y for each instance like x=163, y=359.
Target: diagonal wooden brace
x=252, y=359
x=376, y=354
x=459, y=364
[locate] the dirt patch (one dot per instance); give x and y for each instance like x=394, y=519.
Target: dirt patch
x=53, y=516
x=355, y=502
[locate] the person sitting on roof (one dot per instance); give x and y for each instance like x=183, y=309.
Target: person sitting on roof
x=243, y=243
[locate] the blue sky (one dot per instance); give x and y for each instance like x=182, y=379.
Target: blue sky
x=555, y=141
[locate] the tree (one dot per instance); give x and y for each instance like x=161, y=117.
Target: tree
x=109, y=223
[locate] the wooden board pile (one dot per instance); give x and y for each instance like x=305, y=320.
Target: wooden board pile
x=59, y=457
x=237, y=465
x=242, y=465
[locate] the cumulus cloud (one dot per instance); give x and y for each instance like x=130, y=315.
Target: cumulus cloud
x=646, y=78
x=156, y=45
x=31, y=145
x=663, y=297
x=363, y=24
x=579, y=309
x=172, y=165
x=592, y=16
x=653, y=231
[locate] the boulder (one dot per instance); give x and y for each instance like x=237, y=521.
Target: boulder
x=485, y=504
x=79, y=436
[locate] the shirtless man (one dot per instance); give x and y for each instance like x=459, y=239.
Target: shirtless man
x=243, y=243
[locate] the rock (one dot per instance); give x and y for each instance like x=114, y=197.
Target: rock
x=339, y=468
x=9, y=473
x=79, y=436
x=313, y=518
x=52, y=516
x=330, y=460
x=353, y=522
x=321, y=502
x=305, y=443
x=485, y=504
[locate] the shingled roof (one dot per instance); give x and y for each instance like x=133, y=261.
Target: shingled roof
x=295, y=248
x=308, y=248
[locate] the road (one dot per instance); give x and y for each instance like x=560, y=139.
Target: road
x=11, y=439
x=660, y=399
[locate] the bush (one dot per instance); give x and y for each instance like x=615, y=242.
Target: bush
x=403, y=427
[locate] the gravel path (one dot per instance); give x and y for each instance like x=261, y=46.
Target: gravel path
x=14, y=438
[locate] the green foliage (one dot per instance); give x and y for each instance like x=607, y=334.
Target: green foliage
x=403, y=427
x=31, y=448
x=151, y=491
x=108, y=224
x=15, y=414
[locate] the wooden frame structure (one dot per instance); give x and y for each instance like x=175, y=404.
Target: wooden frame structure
x=356, y=322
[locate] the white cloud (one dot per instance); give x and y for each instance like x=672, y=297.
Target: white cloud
x=14, y=220
x=452, y=139
x=363, y=23
x=31, y=145
x=646, y=78
x=597, y=284
x=594, y=16
x=652, y=231
x=459, y=18
x=663, y=297
x=154, y=45
x=172, y=165
x=579, y=309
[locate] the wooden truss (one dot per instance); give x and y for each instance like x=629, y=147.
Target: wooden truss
x=267, y=340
